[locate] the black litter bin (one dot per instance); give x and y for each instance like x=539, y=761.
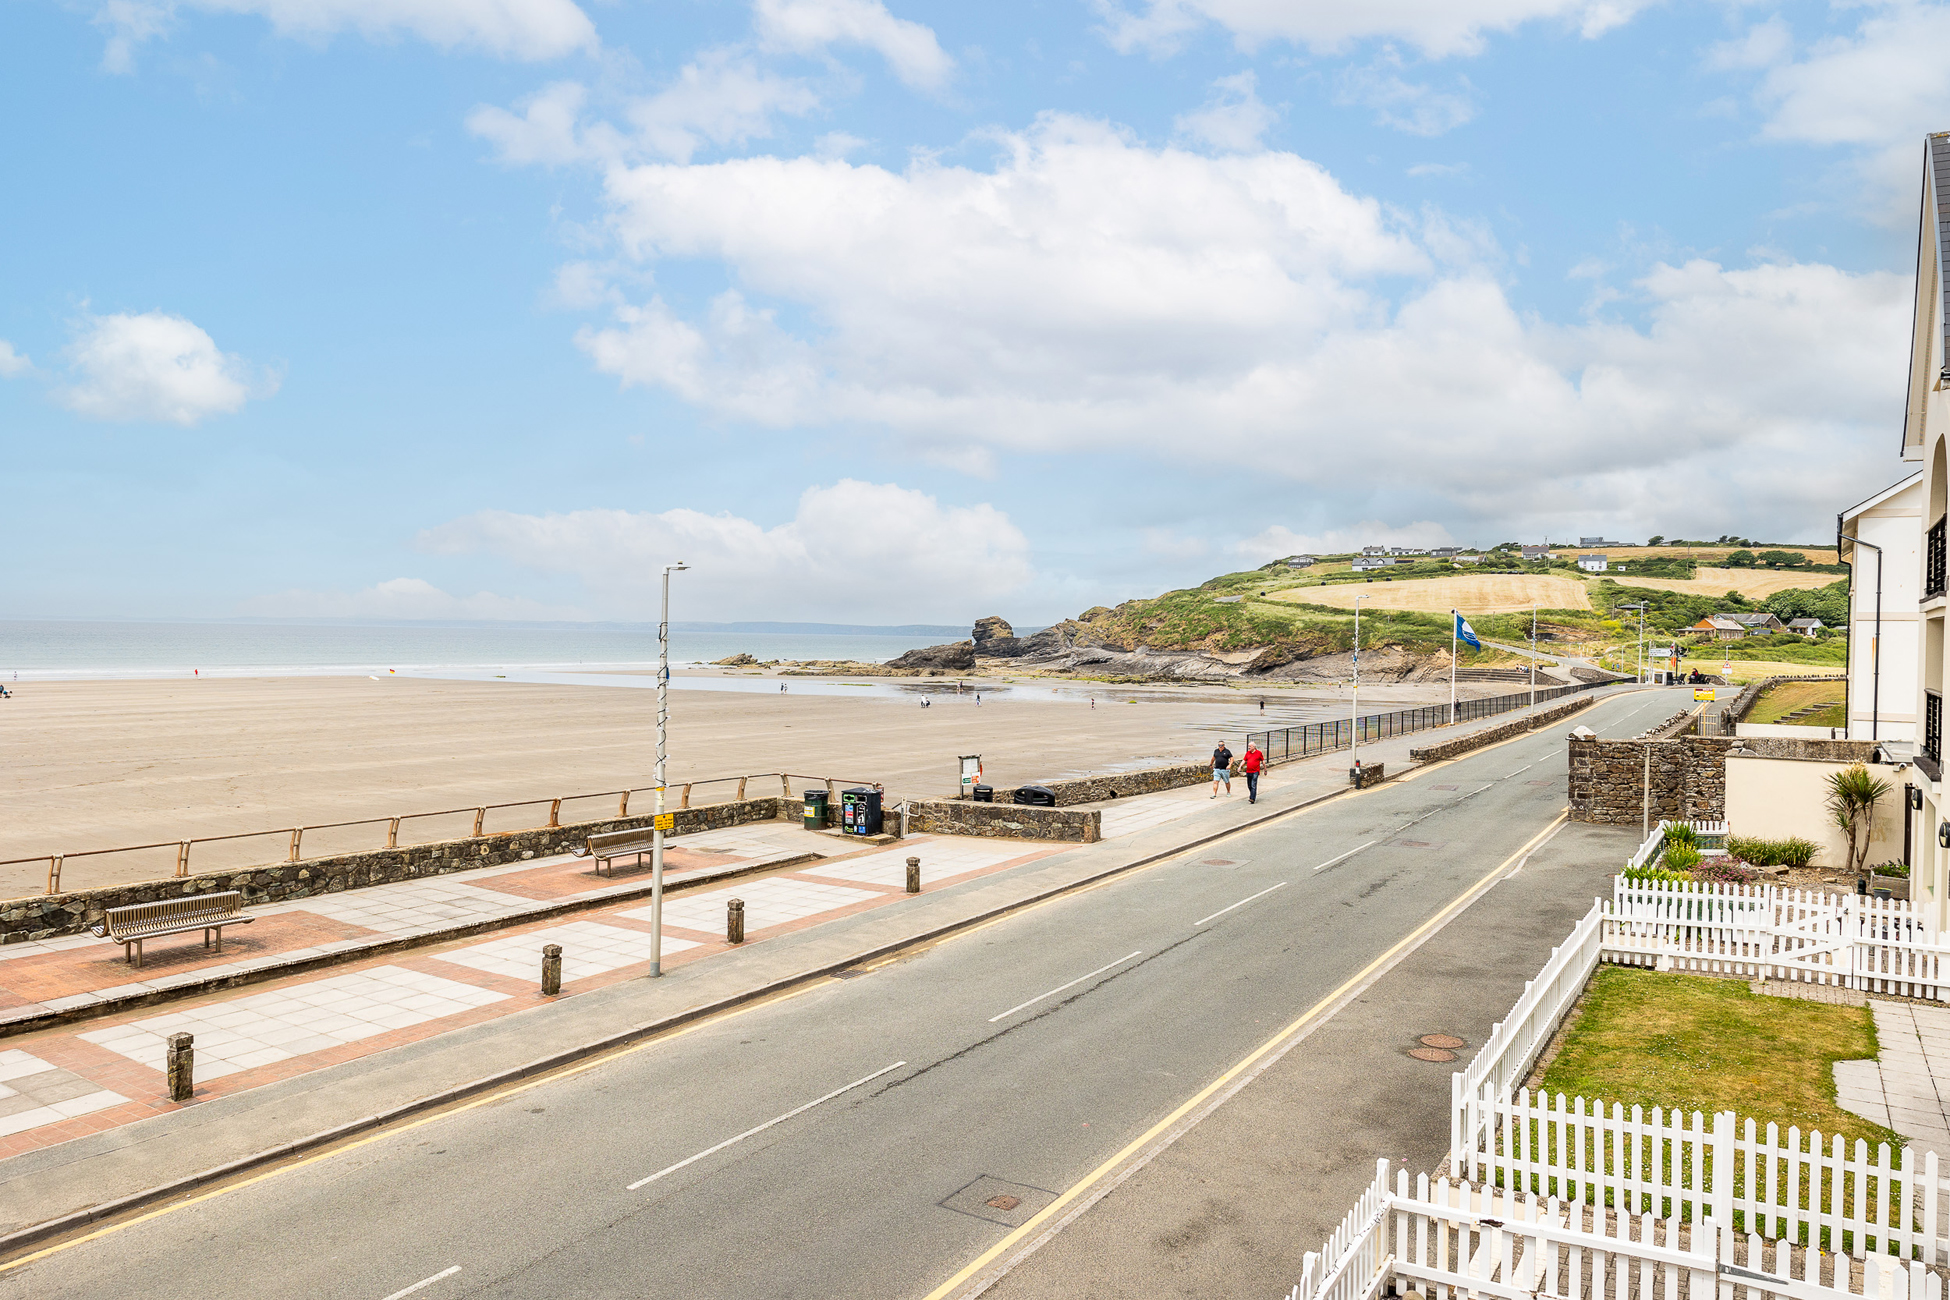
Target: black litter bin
x=984, y=794
x=1036, y=796
x=860, y=811
x=816, y=811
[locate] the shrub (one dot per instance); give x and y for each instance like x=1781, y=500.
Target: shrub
x=1680, y=833
x=1762, y=853
x=1796, y=852
x=1680, y=857
x=1726, y=871
x=1653, y=875
x=1891, y=869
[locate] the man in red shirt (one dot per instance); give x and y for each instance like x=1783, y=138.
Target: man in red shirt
x=1253, y=761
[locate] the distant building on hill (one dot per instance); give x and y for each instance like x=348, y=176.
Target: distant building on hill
x=1537, y=553
x=1594, y=563
x=1718, y=627
x=1467, y=559
x=1368, y=563
x=1406, y=550
x=1805, y=626
x=1300, y=561
x=1445, y=552
x=1374, y=550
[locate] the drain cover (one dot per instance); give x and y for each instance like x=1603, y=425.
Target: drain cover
x=1003, y=1203
x=1441, y=1040
x=1431, y=1054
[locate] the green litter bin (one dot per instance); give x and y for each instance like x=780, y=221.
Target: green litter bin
x=815, y=810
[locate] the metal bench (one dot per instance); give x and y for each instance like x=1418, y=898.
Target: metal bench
x=210, y=913
x=610, y=845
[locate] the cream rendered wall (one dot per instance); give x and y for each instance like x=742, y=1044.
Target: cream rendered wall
x=1774, y=798
x=1882, y=687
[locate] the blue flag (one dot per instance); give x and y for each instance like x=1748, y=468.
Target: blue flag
x=1467, y=633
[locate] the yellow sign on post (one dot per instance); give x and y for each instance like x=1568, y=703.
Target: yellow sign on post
x=664, y=821
x=1704, y=693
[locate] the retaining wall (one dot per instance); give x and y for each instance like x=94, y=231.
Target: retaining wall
x=1003, y=821
x=1092, y=789
x=1688, y=774
x=50, y=915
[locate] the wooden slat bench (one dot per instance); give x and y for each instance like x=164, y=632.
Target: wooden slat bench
x=610, y=845
x=210, y=913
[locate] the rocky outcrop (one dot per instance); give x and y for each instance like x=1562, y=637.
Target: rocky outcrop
x=959, y=657
x=736, y=661
x=992, y=628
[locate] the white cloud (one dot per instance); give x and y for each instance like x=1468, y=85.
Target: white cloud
x=11, y=362
x=516, y=29
x=861, y=548
x=1278, y=541
x=1418, y=109
x=1233, y=119
x=1439, y=169
x=1087, y=294
x=810, y=26
x=1436, y=27
x=413, y=598
x=1170, y=545
x=721, y=98
x=156, y=367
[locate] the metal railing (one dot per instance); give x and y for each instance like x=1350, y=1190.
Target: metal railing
x=1933, y=727
x=420, y=828
x=1325, y=737
x=1933, y=560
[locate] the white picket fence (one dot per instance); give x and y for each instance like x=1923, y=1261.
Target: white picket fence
x=1448, y=1241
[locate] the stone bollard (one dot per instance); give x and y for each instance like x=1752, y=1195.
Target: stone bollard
x=179, y=1064
x=551, y=969
x=914, y=875
x=734, y=921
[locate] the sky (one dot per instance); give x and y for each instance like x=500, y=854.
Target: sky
x=917, y=312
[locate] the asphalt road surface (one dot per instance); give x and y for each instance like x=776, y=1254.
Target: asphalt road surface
x=871, y=1136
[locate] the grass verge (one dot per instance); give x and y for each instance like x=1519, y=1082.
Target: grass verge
x=1651, y=1039
x=1790, y=696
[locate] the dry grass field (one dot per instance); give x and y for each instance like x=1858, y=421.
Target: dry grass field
x=1702, y=554
x=1472, y=593
x=1753, y=670
x=1755, y=584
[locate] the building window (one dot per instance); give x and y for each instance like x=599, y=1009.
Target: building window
x=1933, y=562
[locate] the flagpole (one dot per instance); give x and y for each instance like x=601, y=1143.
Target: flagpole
x=1533, y=656
x=1454, y=619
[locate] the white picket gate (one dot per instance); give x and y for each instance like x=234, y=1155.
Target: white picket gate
x=1457, y=1241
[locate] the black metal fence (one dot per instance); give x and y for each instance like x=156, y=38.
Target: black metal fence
x=1323, y=737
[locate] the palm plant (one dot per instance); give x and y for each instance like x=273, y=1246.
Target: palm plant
x=1852, y=796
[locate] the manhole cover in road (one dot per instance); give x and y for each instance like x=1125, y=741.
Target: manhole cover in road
x=1003, y=1203
x=999, y=1201
x=1431, y=1054
x=1441, y=1040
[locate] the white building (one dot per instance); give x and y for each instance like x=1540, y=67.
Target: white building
x=1881, y=540
x=1594, y=563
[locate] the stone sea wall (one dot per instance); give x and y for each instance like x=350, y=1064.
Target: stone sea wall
x=1503, y=731
x=1150, y=780
x=1004, y=821
x=50, y=915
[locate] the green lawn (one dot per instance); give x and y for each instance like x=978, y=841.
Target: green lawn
x=1790, y=696
x=1709, y=1045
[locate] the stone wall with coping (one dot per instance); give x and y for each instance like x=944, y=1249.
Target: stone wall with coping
x=50, y=915
x=1094, y=789
x=1686, y=779
x=1503, y=731
x=1003, y=821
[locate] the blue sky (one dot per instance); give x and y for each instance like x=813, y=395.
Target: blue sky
x=917, y=312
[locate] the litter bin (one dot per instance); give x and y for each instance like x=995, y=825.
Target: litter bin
x=984, y=794
x=860, y=811
x=816, y=811
x=1036, y=796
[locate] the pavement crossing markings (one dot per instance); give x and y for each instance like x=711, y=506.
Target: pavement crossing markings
x=757, y=1129
x=1059, y=988
x=1241, y=903
x=424, y=1282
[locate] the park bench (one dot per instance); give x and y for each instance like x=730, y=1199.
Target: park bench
x=610, y=845
x=210, y=913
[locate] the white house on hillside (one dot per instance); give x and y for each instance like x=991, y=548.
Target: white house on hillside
x=1594, y=563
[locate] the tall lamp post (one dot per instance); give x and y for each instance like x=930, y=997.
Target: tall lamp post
x=1533, y=656
x=1639, y=675
x=663, y=735
x=1354, y=705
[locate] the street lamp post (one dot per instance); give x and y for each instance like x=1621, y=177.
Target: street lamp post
x=1533, y=656
x=1354, y=705
x=663, y=748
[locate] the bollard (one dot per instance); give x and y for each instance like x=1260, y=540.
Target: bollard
x=179, y=1063
x=551, y=969
x=734, y=921
x=914, y=875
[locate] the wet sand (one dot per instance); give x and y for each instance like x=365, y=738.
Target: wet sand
x=102, y=764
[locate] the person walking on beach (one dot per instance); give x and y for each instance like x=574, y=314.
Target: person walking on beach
x=1221, y=769
x=1250, y=765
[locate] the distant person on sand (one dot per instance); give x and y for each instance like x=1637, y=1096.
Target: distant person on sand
x=1251, y=764
x=1262, y=706
x=1221, y=769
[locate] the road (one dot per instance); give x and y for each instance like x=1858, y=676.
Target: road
x=872, y=1135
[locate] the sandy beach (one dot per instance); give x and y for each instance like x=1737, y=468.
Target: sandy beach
x=103, y=764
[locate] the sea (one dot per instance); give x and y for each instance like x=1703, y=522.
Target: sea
x=49, y=649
